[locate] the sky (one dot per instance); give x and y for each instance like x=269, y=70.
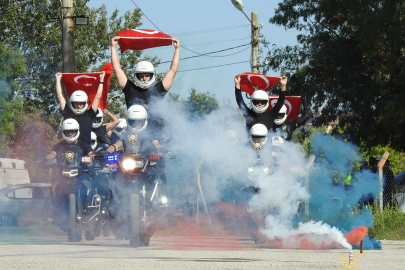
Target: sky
x=227, y=27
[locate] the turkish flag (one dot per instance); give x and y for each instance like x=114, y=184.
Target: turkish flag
x=249, y=82
x=87, y=82
x=293, y=105
x=140, y=39
x=108, y=69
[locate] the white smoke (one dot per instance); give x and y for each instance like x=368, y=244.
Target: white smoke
x=204, y=146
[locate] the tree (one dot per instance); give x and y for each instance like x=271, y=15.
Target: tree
x=349, y=62
x=12, y=66
x=26, y=28
x=199, y=104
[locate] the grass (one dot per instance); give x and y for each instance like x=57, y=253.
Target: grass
x=389, y=224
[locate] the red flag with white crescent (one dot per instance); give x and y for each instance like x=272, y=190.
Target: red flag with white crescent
x=140, y=39
x=293, y=105
x=108, y=69
x=87, y=82
x=249, y=82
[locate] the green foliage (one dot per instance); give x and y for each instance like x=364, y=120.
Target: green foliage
x=26, y=28
x=396, y=158
x=12, y=65
x=199, y=104
x=349, y=63
x=389, y=223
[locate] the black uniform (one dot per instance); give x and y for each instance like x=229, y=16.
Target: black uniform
x=134, y=95
x=85, y=121
x=86, y=148
x=251, y=117
x=288, y=128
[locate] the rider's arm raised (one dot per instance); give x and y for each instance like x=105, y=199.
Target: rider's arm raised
x=99, y=94
x=121, y=77
x=169, y=77
x=114, y=123
x=281, y=97
x=59, y=94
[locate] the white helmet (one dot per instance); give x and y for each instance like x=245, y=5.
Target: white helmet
x=258, y=136
x=137, y=115
x=281, y=116
x=99, y=119
x=93, y=140
x=276, y=142
x=67, y=125
x=145, y=67
x=122, y=125
x=256, y=97
x=78, y=96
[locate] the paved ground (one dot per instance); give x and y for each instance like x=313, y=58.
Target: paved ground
x=19, y=250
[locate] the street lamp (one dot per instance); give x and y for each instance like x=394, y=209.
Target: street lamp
x=255, y=35
x=239, y=5
x=81, y=20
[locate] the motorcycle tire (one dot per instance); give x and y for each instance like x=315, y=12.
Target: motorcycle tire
x=134, y=221
x=73, y=234
x=144, y=239
x=89, y=236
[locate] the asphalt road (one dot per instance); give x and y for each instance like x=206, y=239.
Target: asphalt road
x=50, y=250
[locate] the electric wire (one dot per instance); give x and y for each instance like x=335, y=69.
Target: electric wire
x=211, y=30
x=213, y=66
x=187, y=48
x=213, y=52
x=163, y=32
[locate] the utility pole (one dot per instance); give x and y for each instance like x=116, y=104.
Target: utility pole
x=68, y=38
x=255, y=43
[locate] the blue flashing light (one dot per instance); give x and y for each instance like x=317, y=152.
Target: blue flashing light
x=112, y=158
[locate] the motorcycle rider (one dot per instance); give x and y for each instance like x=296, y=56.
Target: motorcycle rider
x=144, y=87
x=287, y=128
x=137, y=123
x=119, y=130
x=260, y=103
x=77, y=107
x=100, y=129
x=61, y=190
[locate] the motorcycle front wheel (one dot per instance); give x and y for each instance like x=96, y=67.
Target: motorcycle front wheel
x=134, y=221
x=73, y=234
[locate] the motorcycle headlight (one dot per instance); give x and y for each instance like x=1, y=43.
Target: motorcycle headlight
x=163, y=200
x=128, y=164
x=266, y=170
x=250, y=170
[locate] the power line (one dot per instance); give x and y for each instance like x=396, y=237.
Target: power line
x=163, y=32
x=213, y=66
x=211, y=30
x=146, y=16
x=205, y=54
x=202, y=43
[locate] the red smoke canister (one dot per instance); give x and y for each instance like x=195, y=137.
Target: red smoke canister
x=351, y=256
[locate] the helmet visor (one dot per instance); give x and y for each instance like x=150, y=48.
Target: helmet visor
x=137, y=123
x=98, y=120
x=78, y=105
x=260, y=102
x=119, y=129
x=70, y=133
x=258, y=138
x=144, y=76
x=280, y=115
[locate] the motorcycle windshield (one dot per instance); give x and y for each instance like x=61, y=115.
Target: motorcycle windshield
x=70, y=156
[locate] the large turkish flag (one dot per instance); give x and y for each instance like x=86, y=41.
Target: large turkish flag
x=88, y=82
x=140, y=39
x=293, y=105
x=249, y=82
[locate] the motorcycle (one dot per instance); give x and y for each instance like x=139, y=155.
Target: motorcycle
x=141, y=209
x=76, y=205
